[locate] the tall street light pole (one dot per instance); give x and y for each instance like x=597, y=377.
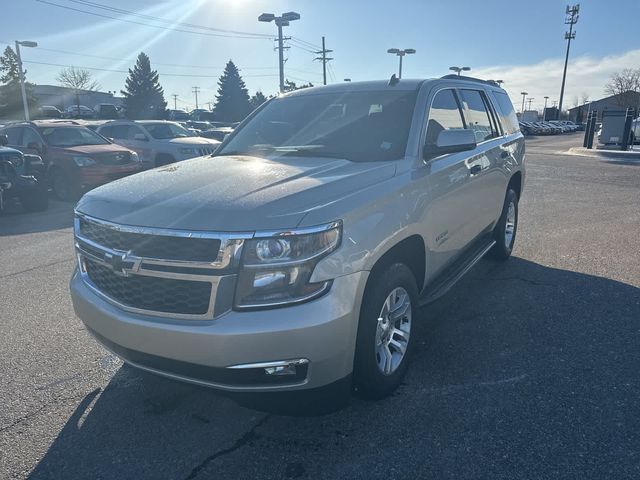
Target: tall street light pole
x=571, y=19
x=524, y=94
x=24, y=43
x=281, y=21
x=544, y=112
x=530, y=99
x=401, y=53
x=459, y=69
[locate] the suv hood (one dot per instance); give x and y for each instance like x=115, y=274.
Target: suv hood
x=182, y=141
x=94, y=149
x=231, y=193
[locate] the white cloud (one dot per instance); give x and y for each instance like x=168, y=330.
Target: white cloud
x=585, y=74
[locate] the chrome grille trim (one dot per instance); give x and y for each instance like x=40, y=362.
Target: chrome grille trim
x=210, y=272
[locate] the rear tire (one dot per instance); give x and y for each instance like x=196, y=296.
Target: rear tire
x=505, y=230
x=385, y=340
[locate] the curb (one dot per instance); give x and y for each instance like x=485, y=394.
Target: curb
x=615, y=154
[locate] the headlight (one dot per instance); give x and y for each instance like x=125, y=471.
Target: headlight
x=84, y=161
x=276, y=270
x=135, y=157
x=187, y=150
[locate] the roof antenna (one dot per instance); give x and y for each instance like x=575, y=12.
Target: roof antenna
x=393, y=80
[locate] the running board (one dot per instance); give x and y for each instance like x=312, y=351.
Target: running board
x=450, y=276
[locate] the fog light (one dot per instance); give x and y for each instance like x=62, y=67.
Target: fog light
x=281, y=370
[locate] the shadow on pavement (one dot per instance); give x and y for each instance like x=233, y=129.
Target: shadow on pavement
x=522, y=371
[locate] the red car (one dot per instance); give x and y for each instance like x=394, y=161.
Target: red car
x=77, y=159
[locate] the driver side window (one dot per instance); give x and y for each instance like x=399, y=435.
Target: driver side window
x=445, y=114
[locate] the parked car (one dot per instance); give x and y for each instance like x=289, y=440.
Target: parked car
x=78, y=111
x=158, y=142
x=49, y=111
x=298, y=258
x=76, y=158
x=106, y=111
x=200, y=126
x=217, y=133
x=19, y=179
x=199, y=114
x=178, y=115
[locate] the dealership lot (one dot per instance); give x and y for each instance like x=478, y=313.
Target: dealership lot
x=527, y=369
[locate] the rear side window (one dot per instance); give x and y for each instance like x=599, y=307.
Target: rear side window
x=120, y=132
x=507, y=114
x=476, y=114
x=444, y=115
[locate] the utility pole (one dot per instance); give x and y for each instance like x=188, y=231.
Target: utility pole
x=175, y=99
x=524, y=94
x=281, y=21
x=324, y=60
x=544, y=112
x=571, y=19
x=530, y=99
x=196, y=90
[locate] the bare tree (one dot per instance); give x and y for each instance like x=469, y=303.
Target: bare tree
x=625, y=85
x=585, y=98
x=576, y=101
x=77, y=80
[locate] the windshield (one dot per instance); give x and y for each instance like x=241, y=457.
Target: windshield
x=357, y=126
x=71, y=137
x=163, y=131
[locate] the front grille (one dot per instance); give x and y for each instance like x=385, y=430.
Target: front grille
x=113, y=158
x=156, y=294
x=152, y=246
x=206, y=151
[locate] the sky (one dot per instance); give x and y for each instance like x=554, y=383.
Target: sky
x=190, y=41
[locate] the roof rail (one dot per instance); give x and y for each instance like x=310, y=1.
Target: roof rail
x=453, y=76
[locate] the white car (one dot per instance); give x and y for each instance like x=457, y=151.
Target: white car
x=157, y=142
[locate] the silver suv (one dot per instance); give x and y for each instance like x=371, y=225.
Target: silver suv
x=299, y=258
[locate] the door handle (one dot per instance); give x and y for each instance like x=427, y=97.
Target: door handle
x=476, y=169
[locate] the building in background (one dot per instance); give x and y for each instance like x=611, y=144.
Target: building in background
x=63, y=97
x=614, y=102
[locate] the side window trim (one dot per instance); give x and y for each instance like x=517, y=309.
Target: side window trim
x=500, y=132
x=34, y=132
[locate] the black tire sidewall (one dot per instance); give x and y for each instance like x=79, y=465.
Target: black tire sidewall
x=369, y=382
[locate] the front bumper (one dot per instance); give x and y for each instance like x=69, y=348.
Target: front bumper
x=322, y=331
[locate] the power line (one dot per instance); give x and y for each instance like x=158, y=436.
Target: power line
x=253, y=37
x=162, y=20
x=126, y=71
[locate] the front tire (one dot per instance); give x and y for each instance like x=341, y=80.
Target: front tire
x=505, y=230
x=385, y=339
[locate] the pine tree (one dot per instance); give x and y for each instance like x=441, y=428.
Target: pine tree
x=144, y=97
x=232, y=100
x=257, y=99
x=10, y=92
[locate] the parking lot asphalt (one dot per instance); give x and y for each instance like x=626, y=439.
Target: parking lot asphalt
x=528, y=369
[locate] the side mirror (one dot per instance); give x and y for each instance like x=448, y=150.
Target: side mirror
x=140, y=136
x=4, y=140
x=450, y=141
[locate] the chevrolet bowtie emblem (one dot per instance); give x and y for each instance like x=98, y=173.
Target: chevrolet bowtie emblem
x=122, y=263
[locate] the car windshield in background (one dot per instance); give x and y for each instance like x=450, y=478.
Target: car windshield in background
x=163, y=131
x=358, y=126
x=71, y=137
